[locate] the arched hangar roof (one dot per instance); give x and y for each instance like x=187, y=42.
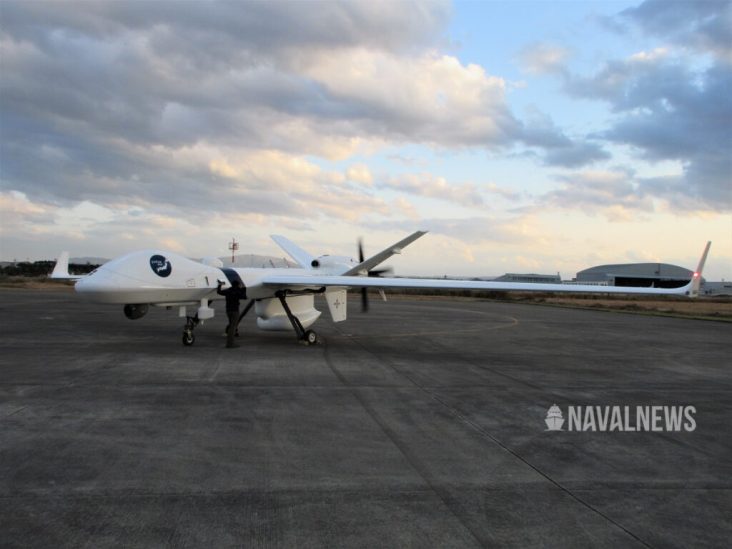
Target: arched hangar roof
x=636, y=270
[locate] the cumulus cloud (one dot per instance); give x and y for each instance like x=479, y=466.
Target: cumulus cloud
x=575, y=154
x=405, y=208
x=108, y=103
x=430, y=186
x=702, y=25
x=503, y=192
x=260, y=27
x=430, y=98
x=310, y=190
x=178, y=110
x=559, y=149
x=244, y=71
x=669, y=106
x=615, y=194
x=667, y=111
x=360, y=173
x=19, y=214
x=522, y=230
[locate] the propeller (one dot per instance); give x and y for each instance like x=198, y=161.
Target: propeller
x=372, y=272
x=364, y=291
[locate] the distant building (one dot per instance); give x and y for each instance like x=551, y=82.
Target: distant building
x=530, y=277
x=657, y=275
x=717, y=288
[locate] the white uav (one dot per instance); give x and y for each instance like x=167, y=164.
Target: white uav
x=283, y=298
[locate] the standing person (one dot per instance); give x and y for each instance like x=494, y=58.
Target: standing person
x=232, y=295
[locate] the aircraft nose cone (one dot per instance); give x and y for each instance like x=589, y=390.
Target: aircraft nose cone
x=95, y=284
x=86, y=285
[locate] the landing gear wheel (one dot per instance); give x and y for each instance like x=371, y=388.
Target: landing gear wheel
x=188, y=337
x=308, y=337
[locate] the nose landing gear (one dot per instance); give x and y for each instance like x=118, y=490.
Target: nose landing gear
x=188, y=337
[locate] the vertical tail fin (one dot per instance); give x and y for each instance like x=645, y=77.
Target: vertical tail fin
x=697, y=276
x=303, y=258
x=61, y=269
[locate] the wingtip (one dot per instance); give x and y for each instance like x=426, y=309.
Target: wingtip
x=695, y=282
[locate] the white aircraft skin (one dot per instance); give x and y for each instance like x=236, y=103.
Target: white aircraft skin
x=165, y=279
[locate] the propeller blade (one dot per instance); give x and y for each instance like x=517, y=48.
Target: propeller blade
x=379, y=272
x=364, y=291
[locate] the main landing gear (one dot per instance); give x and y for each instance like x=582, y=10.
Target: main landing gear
x=308, y=337
x=242, y=315
x=192, y=321
x=244, y=312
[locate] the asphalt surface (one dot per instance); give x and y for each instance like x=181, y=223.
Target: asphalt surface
x=419, y=424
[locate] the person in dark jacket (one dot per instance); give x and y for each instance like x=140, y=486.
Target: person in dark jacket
x=233, y=295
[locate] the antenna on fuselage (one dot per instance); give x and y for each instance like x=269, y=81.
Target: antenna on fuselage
x=233, y=246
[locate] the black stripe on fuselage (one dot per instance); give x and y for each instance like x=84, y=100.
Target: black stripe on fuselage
x=232, y=276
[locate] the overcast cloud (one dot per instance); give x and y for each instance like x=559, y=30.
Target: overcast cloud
x=107, y=93
x=98, y=101
x=670, y=106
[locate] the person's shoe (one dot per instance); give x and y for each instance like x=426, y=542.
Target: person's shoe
x=234, y=346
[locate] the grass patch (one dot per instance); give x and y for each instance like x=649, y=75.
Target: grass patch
x=34, y=282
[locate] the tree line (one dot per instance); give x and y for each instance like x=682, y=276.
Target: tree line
x=42, y=268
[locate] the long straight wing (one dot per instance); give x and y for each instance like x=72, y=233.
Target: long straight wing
x=447, y=284
x=318, y=281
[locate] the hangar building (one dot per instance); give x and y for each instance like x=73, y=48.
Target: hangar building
x=531, y=277
x=658, y=275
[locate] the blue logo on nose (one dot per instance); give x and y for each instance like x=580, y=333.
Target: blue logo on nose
x=160, y=265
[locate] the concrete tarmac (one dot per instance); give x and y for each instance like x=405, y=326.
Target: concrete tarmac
x=418, y=424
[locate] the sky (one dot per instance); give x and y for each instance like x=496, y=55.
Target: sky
x=525, y=136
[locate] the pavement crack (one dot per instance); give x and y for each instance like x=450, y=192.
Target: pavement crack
x=448, y=501
x=485, y=434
